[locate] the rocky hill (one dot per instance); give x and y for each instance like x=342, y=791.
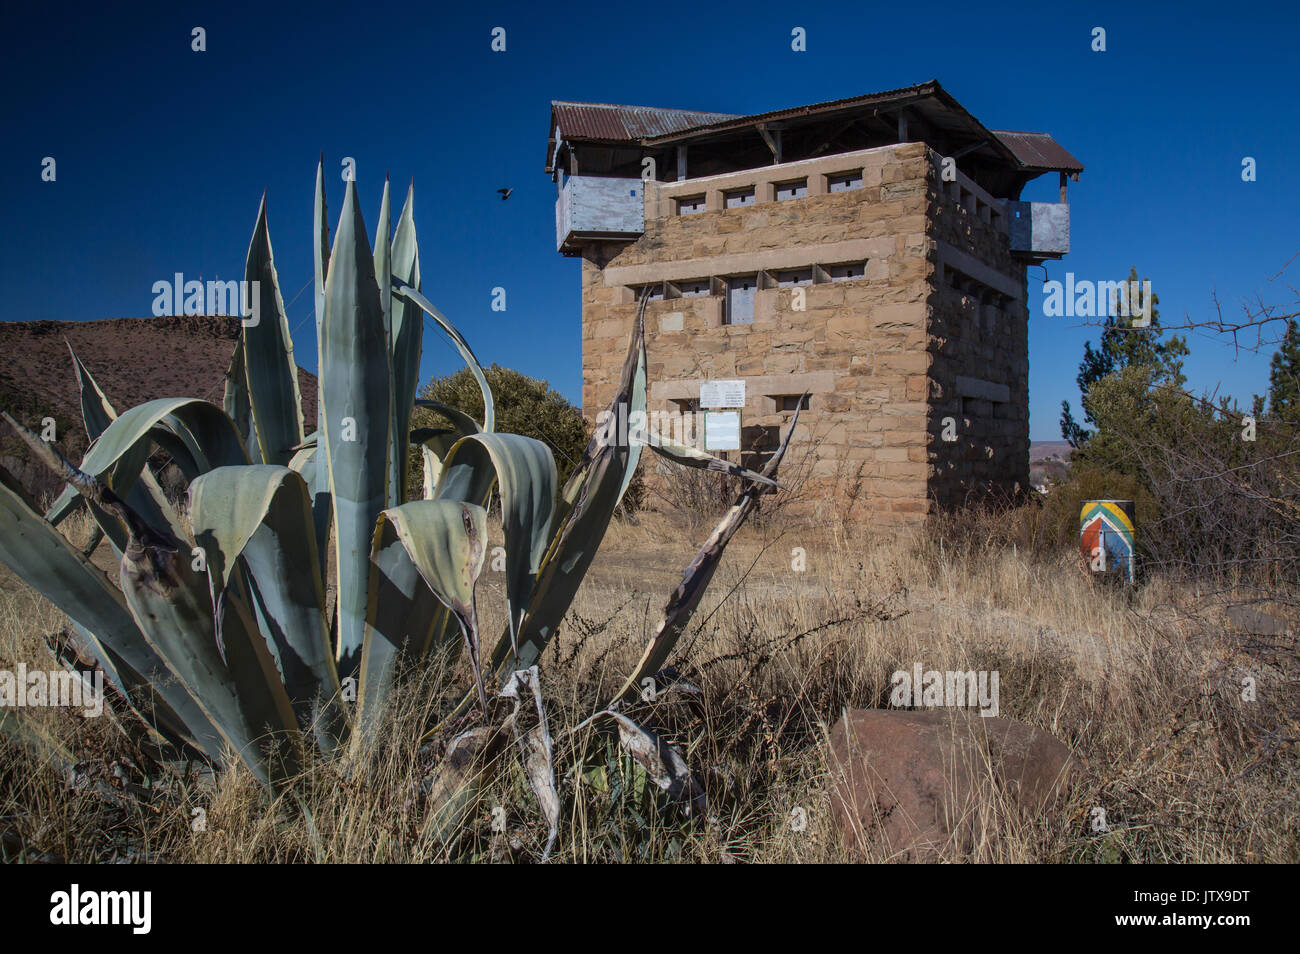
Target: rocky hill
x=133, y=359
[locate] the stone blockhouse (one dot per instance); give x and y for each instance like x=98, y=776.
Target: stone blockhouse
x=869, y=253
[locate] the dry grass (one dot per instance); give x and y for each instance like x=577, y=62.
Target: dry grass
x=1144, y=686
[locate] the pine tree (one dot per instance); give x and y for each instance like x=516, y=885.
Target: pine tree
x=1284, y=375
x=1123, y=347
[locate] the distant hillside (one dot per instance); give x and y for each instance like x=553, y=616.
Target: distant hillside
x=133, y=359
x=1047, y=463
x=1046, y=450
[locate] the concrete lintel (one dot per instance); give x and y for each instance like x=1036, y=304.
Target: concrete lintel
x=983, y=390
x=792, y=169
x=743, y=263
x=756, y=385
x=972, y=266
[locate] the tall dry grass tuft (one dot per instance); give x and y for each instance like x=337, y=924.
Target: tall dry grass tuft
x=1145, y=686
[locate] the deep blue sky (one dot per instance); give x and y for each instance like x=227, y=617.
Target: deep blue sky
x=163, y=153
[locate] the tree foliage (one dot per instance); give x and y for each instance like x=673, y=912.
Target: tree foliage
x=1217, y=488
x=1284, y=376
x=527, y=406
x=1122, y=346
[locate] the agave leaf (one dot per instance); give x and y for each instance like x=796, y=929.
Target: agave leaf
x=463, y=423
x=149, y=499
x=438, y=439
x=96, y=412
x=122, y=477
x=434, y=444
x=235, y=400
x=447, y=542
x=50, y=565
x=263, y=709
x=422, y=548
x=538, y=751
x=116, y=672
x=662, y=763
x=270, y=371
x=633, y=386
x=525, y=472
x=407, y=324
x=320, y=261
x=414, y=296
x=197, y=434
x=230, y=676
x=218, y=653
x=15, y=487
x=598, y=485
x=383, y=278
x=467, y=767
x=693, y=457
x=321, y=505
x=573, y=488
x=262, y=514
x=432, y=470
x=698, y=575
x=303, y=463
x=402, y=616
x=356, y=392
x=384, y=257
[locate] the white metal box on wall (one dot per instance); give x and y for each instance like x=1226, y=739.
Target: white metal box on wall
x=599, y=207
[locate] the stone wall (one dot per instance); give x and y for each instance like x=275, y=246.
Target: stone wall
x=880, y=355
x=978, y=342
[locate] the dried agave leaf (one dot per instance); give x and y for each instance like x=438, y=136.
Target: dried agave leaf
x=681, y=605
x=466, y=769
x=538, y=751
x=665, y=767
x=688, y=456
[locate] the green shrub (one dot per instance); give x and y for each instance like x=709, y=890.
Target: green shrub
x=527, y=406
x=1212, y=493
x=1060, y=509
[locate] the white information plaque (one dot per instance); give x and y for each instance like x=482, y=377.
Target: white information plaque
x=721, y=430
x=722, y=394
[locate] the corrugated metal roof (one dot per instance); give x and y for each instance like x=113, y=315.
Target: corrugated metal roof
x=651, y=125
x=830, y=106
x=606, y=122
x=1038, y=150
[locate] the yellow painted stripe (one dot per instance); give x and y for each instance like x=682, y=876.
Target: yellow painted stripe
x=1091, y=510
x=1120, y=515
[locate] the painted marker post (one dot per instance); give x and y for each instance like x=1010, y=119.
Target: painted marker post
x=1106, y=537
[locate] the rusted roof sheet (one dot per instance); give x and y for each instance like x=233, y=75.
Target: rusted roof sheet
x=605, y=122
x=651, y=126
x=890, y=96
x=1038, y=151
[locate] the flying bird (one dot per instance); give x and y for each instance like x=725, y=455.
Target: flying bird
x=505, y=193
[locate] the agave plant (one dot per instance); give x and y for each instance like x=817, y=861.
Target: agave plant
x=218, y=630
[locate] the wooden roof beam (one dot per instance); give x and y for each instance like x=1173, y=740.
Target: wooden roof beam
x=771, y=136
